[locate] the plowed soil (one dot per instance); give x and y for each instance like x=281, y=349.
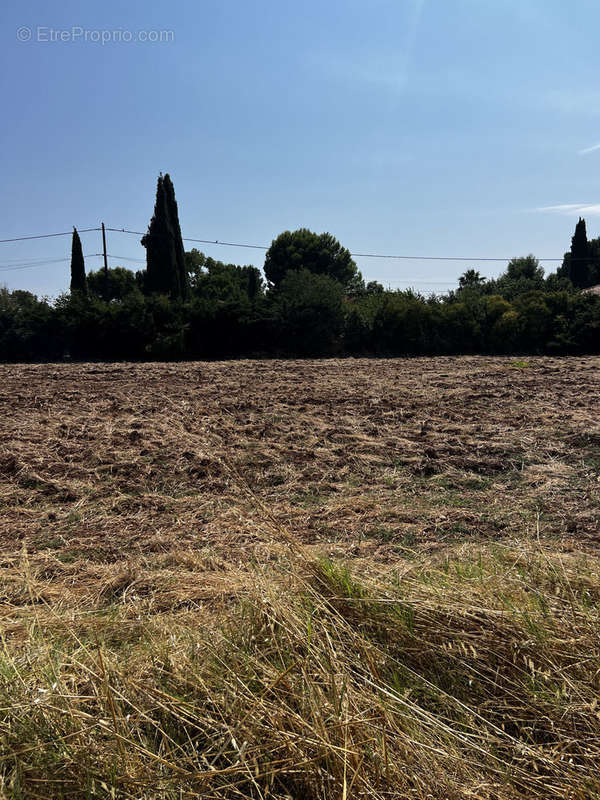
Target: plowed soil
x=140, y=477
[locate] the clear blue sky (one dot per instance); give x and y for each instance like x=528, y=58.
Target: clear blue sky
x=426, y=127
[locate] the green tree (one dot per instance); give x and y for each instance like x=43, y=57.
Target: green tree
x=470, y=279
x=162, y=272
x=178, y=241
x=524, y=268
x=194, y=263
x=117, y=284
x=505, y=333
x=360, y=313
x=536, y=320
x=579, y=256
x=522, y=275
x=594, y=261
x=78, y=280
x=210, y=278
x=28, y=329
x=320, y=254
x=404, y=324
x=255, y=282
x=309, y=312
x=374, y=287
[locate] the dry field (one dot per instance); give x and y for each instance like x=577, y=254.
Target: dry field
x=301, y=579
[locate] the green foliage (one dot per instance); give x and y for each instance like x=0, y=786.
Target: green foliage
x=578, y=263
x=594, y=262
x=78, y=281
x=320, y=254
x=309, y=312
x=471, y=320
x=117, y=284
x=180, y=264
x=505, y=333
x=581, y=265
x=470, y=278
x=188, y=305
x=536, y=320
x=307, y=315
x=402, y=324
x=374, y=287
x=219, y=281
x=165, y=260
x=522, y=275
x=527, y=268
x=138, y=327
x=28, y=329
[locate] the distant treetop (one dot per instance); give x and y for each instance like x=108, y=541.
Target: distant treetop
x=320, y=254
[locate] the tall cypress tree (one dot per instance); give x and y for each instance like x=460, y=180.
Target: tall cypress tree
x=178, y=241
x=78, y=279
x=579, y=261
x=162, y=275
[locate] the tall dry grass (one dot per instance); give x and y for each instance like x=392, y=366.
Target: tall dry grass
x=469, y=675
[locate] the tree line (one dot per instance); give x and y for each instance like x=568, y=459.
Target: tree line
x=311, y=301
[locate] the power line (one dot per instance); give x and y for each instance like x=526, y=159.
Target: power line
x=125, y=230
x=200, y=241
x=265, y=247
x=354, y=255
x=19, y=262
x=39, y=263
x=127, y=258
x=442, y=258
x=15, y=265
x=227, y=244
x=47, y=235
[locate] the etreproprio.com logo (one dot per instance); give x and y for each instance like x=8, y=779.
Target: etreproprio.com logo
x=44, y=33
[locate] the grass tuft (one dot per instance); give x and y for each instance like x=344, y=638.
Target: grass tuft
x=472, y=674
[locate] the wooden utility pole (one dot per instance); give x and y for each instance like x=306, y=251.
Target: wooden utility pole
x=105, y=260
x=104, y=251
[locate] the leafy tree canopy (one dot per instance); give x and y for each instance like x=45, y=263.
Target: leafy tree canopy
x=526, y=267
x=117, y=284
x=320, y=254
x=470, y=278
x=210, y=278
x=310, y=312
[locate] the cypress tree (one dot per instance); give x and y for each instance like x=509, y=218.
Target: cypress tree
x=178, y=241
x=78, y=279
x=162, y=275
x=579, y=260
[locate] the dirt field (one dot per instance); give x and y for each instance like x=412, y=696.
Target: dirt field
x=365, y=458
x=160, y=489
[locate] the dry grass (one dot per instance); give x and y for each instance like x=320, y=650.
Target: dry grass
x=330, y=579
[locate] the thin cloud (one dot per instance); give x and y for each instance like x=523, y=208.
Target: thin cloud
x=571, y=209
x=591, y=211
x=587, y=150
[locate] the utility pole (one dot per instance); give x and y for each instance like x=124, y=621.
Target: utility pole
x=105, y=261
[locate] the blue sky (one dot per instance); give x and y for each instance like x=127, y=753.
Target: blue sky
x=420, y=127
